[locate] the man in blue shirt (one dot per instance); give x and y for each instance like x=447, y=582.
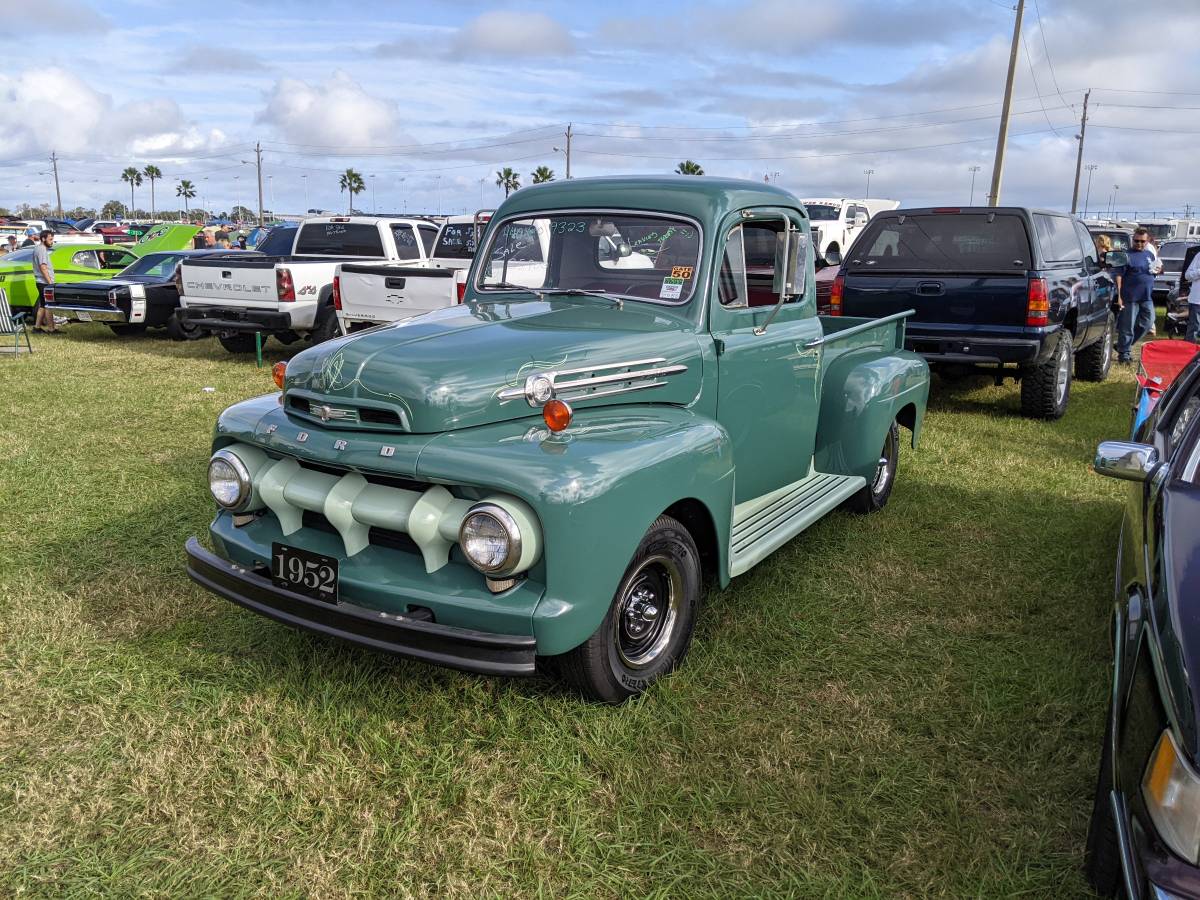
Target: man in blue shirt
x=1135, y=286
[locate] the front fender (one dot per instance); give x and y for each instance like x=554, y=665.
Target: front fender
x=862, y=393
x=596, y=488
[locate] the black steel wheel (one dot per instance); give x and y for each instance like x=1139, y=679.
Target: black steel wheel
x=874, y=496
x=239, y=342
x=179, y=330
x=648, y=627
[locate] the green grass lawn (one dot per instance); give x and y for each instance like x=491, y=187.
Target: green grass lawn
x=908, y=704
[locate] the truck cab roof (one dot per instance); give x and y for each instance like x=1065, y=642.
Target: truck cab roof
x=702, y=197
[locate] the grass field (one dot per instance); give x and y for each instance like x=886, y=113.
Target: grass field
x=904, y=705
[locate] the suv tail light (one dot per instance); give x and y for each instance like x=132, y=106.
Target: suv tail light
x=462, y=290
x=1037, y=309
x=835, y=295
x=48, y=294
x=337, y=292
x=283, y=285
x=179, y=278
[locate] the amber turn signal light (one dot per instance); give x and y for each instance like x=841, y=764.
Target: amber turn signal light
x=557, y=414
x=277, y=372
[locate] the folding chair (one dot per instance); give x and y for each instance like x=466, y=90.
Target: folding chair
x=14, y=324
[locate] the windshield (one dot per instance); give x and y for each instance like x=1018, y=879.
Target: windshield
x=155, y=264
x=641, y=257
x=967, y=242
x=1174, y=248
x=18, y=256
x=1159, y=232
x=824, y=212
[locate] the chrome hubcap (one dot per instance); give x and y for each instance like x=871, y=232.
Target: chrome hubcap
x=1064, y=371
x=883, y=470
x=647, y=611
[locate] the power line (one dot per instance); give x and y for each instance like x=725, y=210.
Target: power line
x=1033, y=75
x=1045, y=46
x=814, y=155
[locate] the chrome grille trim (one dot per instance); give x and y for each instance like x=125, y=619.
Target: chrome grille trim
x=641, y=374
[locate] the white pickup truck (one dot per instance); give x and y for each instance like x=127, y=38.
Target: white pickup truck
x=291, y=296
x=836, y=222
x=372, y=293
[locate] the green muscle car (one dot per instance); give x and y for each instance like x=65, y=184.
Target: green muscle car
x=85, y=262
x=635, y=397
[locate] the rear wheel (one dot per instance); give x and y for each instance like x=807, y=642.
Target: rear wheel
x=240, y=342
x=649, y=624
x=128, y=329
x=179, y=330
x=1093, y=363
x=875, y=495
x=326, y=326
x=1045, y=389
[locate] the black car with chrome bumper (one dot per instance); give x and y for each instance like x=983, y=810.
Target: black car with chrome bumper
x=145, y=295
x=1144, y=837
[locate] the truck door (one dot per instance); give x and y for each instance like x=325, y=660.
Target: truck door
x=767, y=383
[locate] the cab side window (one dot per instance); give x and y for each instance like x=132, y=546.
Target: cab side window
x=731, y=280
x=748, y=277
x=86, y=259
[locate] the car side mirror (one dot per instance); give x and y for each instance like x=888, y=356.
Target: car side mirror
x=833, y=257
x=1127, y=460
x=860, y=220
x=1116, y=258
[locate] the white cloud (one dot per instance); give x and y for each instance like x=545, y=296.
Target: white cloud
x=509, y=33
x=337, y=113
x=53, y=109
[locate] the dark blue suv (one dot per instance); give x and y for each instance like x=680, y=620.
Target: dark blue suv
x=1016, y=292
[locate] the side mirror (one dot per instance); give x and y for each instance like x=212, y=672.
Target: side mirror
x=860, y=219
x=1116, y=258
x=1126, y=460
x=833, y=257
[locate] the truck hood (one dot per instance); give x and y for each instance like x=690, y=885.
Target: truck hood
x=467, y=365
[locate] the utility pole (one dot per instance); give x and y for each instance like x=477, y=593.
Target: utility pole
x=258, y=158
x=1079, y=159
x=57, y=192
x=1002, y=138
x=1091, y=168
x=973, y=170
x=868, y=173
x=568, y=150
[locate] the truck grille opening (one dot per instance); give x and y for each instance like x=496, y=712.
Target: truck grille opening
x=345, y=415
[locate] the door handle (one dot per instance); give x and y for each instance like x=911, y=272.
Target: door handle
x=396, y=284
x=931, y=289
x=813, y=344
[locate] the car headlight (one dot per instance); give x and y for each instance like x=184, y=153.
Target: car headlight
x=491, y=539
x=229, y=480
x=1171, y=789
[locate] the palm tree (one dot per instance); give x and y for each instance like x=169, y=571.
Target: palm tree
x=542, y=174
x=134, y=177
x=509, y=180
x=152, y=172
x=187, y=191
x=353, y=182
x=687, y=167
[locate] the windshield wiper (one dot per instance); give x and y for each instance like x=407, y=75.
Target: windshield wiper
x=509, y=286
x=583, y=292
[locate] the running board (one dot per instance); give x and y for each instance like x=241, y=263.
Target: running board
x=763, y=525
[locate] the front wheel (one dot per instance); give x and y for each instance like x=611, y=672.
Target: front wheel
x=1093, y=362
x=1045, y=389
x=874, y=496
x=181, y=330
x=649, y=624
x=239, y=342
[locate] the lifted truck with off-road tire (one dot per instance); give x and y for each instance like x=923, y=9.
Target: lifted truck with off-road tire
x=1013, y=292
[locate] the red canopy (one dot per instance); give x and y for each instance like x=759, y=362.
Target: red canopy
x=1162, y=361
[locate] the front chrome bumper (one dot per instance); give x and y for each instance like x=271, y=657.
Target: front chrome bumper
x=403, y=635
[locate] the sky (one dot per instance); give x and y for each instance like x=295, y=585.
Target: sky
x=428, y=100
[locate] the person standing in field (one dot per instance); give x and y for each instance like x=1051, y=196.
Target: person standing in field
x=1135, y=286
x=43, y=276
x=1189, y=286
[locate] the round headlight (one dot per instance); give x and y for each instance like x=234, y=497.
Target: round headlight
x=490, y=539
x=228, y=480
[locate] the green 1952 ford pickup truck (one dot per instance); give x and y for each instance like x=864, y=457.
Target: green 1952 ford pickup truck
x=636, y=394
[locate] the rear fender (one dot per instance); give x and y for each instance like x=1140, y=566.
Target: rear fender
x=863, y=392
x=596, y=488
